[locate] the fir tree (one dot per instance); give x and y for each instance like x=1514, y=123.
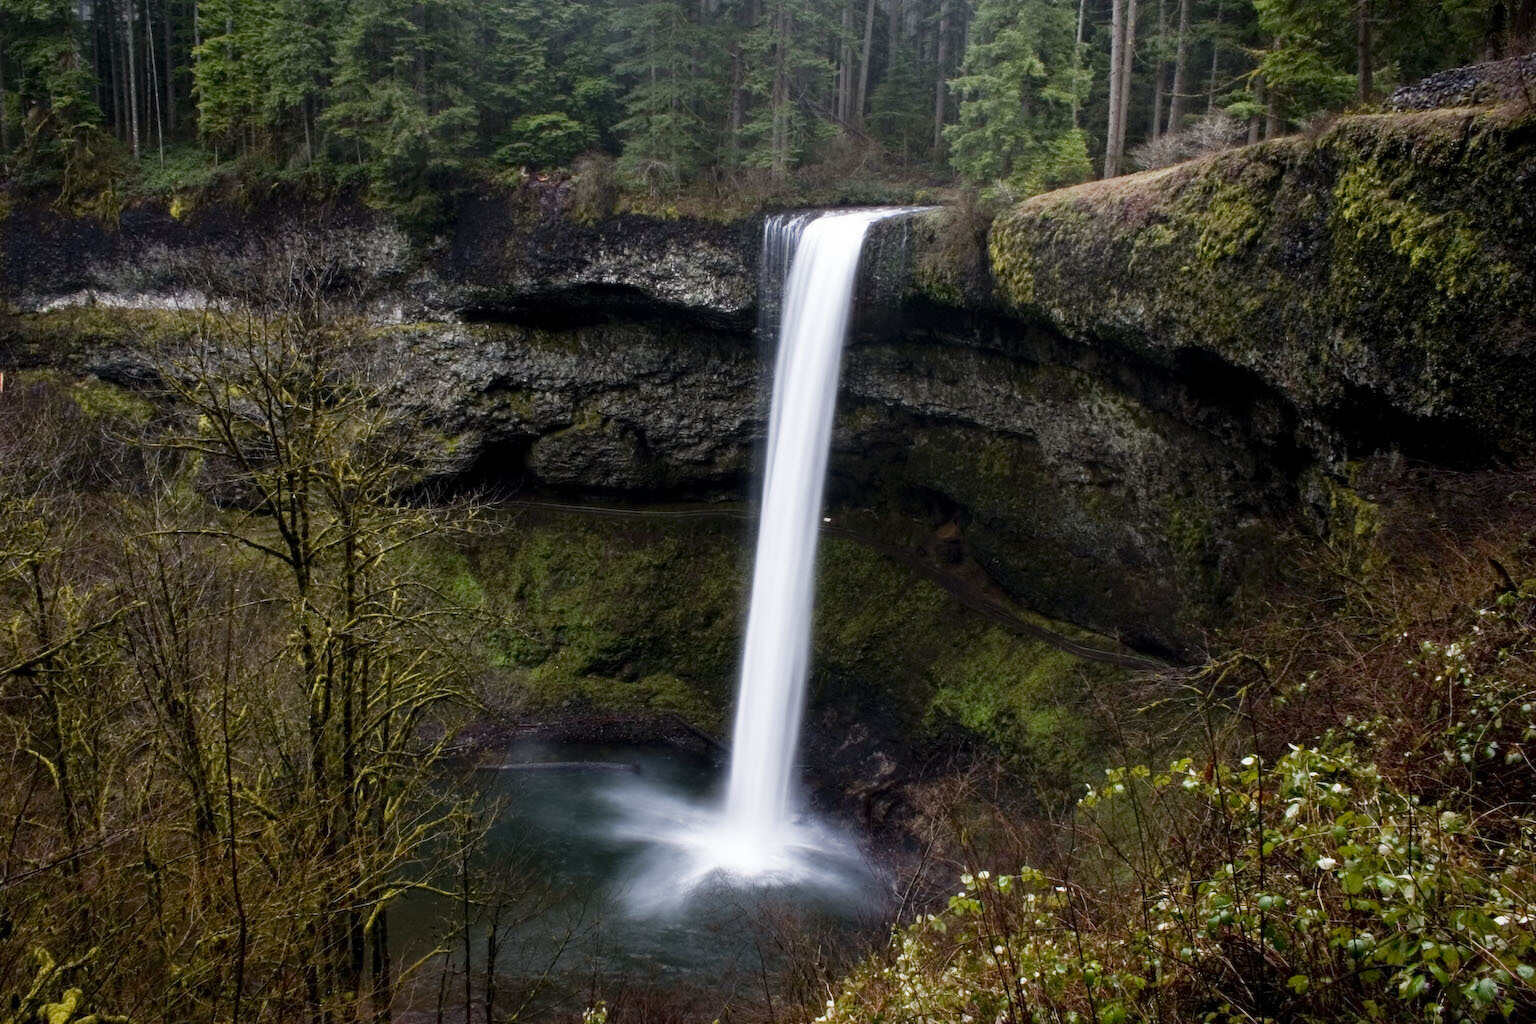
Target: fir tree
x=1019, y=87
x=45, y=84
x=226, y=75
x=783, y=61
x=402, y=98
x=297, y=43
x=665, y=135
x=901, y=113
x=1306, y=67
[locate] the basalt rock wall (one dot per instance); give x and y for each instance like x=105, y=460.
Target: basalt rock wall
x=1121, y=401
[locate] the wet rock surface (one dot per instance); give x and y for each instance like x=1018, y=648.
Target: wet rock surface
x=1492, y=82
x=1120, y=399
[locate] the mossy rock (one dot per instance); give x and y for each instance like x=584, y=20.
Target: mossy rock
x=637, y=614
x=72, y=336
x=1378, y=275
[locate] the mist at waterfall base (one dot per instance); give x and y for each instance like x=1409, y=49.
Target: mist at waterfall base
x=675, y=867
x=623, y=893
x=569, y=856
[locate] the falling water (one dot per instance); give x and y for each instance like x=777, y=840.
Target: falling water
x=810, y=269
x=814, y=320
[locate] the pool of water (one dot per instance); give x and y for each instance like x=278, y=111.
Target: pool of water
x=590, y=880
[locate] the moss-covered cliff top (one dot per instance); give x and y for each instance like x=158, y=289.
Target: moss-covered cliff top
x=1378, y=274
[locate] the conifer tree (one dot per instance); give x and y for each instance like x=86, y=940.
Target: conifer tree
x=1305, y=68
x=226, y=75
x=666, y=137
x=45, y=84
x=401, y=98
x=297, y=43
x=783, y=58
x=1018, y=87
x=901, y=109
x=525, y=93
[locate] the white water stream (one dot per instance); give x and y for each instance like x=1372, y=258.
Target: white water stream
x=817, y=303
x=759, y=836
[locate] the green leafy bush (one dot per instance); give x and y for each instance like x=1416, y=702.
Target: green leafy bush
x=1306, y=888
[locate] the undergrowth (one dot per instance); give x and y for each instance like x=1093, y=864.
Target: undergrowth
x=1350, y=835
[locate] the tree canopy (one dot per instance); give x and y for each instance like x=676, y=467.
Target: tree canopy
x=409, y=97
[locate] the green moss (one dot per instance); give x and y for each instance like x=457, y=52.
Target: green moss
x=1011, y=260
x=1233, y=213
x=1352, y=522
x=96, y=398
x=638, y=615
x=62, y=337
x=951, y=255
x=1030, y=700
x=1452, y=256
x=1388, y=255
x=614, y=614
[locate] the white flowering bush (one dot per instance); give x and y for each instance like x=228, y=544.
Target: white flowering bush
x=1003, y=950
x=1306, y=888
x=1488, y=702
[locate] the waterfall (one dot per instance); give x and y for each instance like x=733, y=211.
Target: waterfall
x=810, y=268
x=823, y=254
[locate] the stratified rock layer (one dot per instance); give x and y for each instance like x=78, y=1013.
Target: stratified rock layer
x=1122, y=396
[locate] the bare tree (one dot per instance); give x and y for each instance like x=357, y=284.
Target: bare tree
x=290, y=423
x=1121, y=61
x=1178, y=105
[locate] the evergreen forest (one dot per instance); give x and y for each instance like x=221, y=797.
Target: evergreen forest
x=411, y=99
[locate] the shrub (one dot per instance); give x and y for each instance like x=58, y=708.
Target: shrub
x=1212, y=133
x=1311, y=887
x=594, y=188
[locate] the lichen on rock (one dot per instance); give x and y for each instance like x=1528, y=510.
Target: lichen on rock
x=1385, y=259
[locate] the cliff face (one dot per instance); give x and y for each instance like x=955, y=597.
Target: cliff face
x=1169, y=372
x=1379, y=278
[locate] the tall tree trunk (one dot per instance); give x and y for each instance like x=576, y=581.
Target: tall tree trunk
x=941, y=86
x=862, y=98
x=1116, y=55
x=169, y=56
x=1259, y=94
x=99, y=71
x=1274, y=125
x=1159, y=70
x=1127, y=65
x=115, y=88
x=130, y=18
x=5, y=123
x=845, y=67
x=152, y=82
x=1210, y=94
x=1522, y=25
x=781, y=101
x=1077, y=65
x=1179, y=102
x=894, y=41
x=1363, y=48
x=738, y=109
